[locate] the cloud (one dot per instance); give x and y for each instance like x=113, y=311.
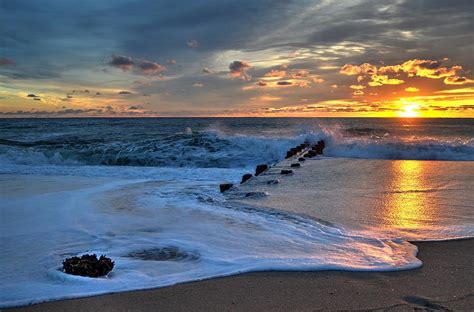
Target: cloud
x=171, y=61
x=151, y=68
x=284, y=83
x=363, y=69
x=192, y=43
x=32, y=95
x=412, y=89
x=6, y=61
x=261, y=83
x=422, y=68
x=380, y=80
x=276, y=73
x=125, y=93
x=357, y=87
x=125, y=63
x=207, y=70
x=135, y=107
x=457, y=80
x=144, y=67
x=425, y=68
x=198, y=85
x=238, y=69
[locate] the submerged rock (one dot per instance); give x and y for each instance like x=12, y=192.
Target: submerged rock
x=170, y=253
x=225, y=186
x=273, y=181
x=295, y=165
x=260, y=169
x=286, y=171
x=88, y=265
x=246, y=177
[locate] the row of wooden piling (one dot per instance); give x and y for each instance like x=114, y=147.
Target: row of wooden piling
x=310, y=151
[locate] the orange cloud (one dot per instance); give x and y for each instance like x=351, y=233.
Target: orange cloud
x=364, y=69
x=457, y=80
x=416, y=67
x=412, y=89
x=357, y=87
x=276, y=73
x=380, y=80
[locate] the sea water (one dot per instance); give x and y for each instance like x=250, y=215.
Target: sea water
x=145, y=193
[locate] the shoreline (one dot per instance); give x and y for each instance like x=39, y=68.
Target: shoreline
x=444, y=282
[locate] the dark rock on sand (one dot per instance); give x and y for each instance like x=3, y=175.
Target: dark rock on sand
x=88, y=265
x=246, y=177
x=286, y=171
x=301, y=159
x=225, y=186
x=260, y=169
x=295, y=165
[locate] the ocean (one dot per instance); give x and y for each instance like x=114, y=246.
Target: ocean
x=145, y=192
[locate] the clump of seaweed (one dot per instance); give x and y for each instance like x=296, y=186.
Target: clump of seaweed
x=88, y=265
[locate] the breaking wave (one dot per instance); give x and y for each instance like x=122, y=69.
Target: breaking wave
x=206, y=149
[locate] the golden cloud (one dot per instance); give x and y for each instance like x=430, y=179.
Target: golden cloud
x=380, y=80
x=357, y=87
x=363, y=69
x=457, y=80
x=421, y=68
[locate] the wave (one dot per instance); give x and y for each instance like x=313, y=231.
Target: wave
x=190, y=149
x=215, y=149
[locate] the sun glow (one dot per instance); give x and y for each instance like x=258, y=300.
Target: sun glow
x=410, y=110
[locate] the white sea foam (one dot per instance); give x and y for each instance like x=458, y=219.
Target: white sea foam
x=216, y=149
x=117, y=217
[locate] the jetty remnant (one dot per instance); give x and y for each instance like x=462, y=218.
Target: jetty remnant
x=225, y=186
x=260, y=169
x=246, y=177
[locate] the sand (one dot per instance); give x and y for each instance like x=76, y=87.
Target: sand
x=445, y=282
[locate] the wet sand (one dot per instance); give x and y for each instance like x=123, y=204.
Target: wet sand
x=444, y=282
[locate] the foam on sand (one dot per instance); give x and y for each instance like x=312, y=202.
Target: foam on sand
x=157, y=238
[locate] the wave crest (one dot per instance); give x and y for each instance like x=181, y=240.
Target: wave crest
x=215, y=149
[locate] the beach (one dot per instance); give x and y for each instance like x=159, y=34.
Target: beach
x=362, y=226
x=444, y=282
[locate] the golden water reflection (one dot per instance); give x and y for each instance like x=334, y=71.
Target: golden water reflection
x=408, y=201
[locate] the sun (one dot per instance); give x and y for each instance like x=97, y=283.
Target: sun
x=410, y=110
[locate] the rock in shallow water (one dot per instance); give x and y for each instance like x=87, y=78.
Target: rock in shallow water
x=246, y=177
x=225, y=186
x=88, y=265
x=286, y=171
x=260, y=169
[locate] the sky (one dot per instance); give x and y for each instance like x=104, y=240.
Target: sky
x=139, y=58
